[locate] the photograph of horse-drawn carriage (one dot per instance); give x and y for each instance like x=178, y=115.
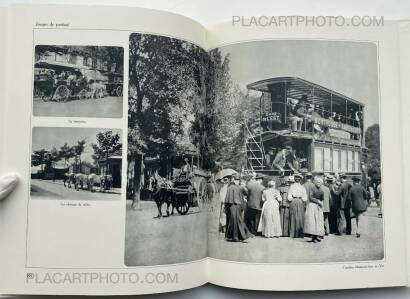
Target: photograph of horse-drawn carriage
x=76, y=163
x=167, y=177
x=78, y=81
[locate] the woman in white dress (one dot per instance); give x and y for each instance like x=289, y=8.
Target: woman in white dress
x=270, y=225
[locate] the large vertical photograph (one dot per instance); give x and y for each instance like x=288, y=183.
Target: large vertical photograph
x=78, y=81
x=76, y=164
x=295, y=165
x=167, y=174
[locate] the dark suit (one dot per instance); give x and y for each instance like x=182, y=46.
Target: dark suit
x=358, y=198
x=254, y=205
x=345, y=206
x=334, y=205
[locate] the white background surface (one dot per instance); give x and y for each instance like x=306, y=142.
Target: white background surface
x=211, y=12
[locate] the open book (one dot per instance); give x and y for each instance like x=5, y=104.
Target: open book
x=157, y=155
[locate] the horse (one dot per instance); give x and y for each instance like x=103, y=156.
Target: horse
x=80, y=179
x=163, y=194
x=98, y=90
x=95, y=179
x=70, y=177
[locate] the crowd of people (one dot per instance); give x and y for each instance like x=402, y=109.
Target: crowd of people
x=284, y=207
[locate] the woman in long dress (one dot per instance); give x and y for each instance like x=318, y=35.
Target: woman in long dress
x=270, y=225
x=236, y=229
x=297, y=197
x=314, y=221
x=222, y=197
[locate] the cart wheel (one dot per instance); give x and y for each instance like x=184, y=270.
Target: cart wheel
x=46, y=98
x=118, y=91
x=82, y=95
x=61, y=94
x=183, y=208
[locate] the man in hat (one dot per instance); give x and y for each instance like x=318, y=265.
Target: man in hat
x=284, y=159
x=185, y=169
x=254, y=204
x=344, y=219
x=358, y=197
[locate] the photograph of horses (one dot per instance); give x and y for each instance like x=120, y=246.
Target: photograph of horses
x=76, y=163
x=78, y=81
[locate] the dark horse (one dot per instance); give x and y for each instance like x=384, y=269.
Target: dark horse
x=163, y=194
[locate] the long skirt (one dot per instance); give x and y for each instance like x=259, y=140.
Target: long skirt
x=314, y=222
x=297, y=218
x=269, y=224
x=285, y=220
x=236, y=229
x=222, y=218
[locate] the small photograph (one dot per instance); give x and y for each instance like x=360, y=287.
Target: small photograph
x=76, y=164
x=78, y=81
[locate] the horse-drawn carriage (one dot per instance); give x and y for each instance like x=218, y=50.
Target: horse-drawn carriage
x=60, y=82
x=182, y=193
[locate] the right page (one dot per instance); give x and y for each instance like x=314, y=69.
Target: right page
x=306, y=157
x=405, y=96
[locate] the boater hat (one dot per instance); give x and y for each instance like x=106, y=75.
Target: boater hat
x=308, y=174
x=298, y=175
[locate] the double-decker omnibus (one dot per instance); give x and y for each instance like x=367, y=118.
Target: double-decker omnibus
x=321, y=129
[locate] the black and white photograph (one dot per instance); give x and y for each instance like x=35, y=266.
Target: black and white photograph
x=296, y=163
x=166, y=222
x=291, y=174
x=78, y=81
x=76, y=164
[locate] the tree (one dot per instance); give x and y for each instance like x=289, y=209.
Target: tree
x=39, y=158
x=225, y=140
x=51, y=158
x=166, y=98
x=107, y=144
x=66, y=153
x=78, y=150
x=372, y=159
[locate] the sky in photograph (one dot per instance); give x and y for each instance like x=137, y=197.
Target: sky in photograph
x=46, y=138
x=350, y=68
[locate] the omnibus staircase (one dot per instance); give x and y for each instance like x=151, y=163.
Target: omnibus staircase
x=254, y=152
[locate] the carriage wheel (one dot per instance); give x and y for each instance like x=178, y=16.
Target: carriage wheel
x=46, y=97
x=82, y=95
x=61, y=94
x=183, y=208
x=118, y=91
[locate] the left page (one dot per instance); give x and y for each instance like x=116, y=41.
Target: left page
x=100, y=118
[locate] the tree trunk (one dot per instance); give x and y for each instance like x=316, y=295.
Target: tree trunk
x=137, y=182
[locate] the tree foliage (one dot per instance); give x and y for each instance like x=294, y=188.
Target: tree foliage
x=372, y=159
x=166, y=94
x=107, y=145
